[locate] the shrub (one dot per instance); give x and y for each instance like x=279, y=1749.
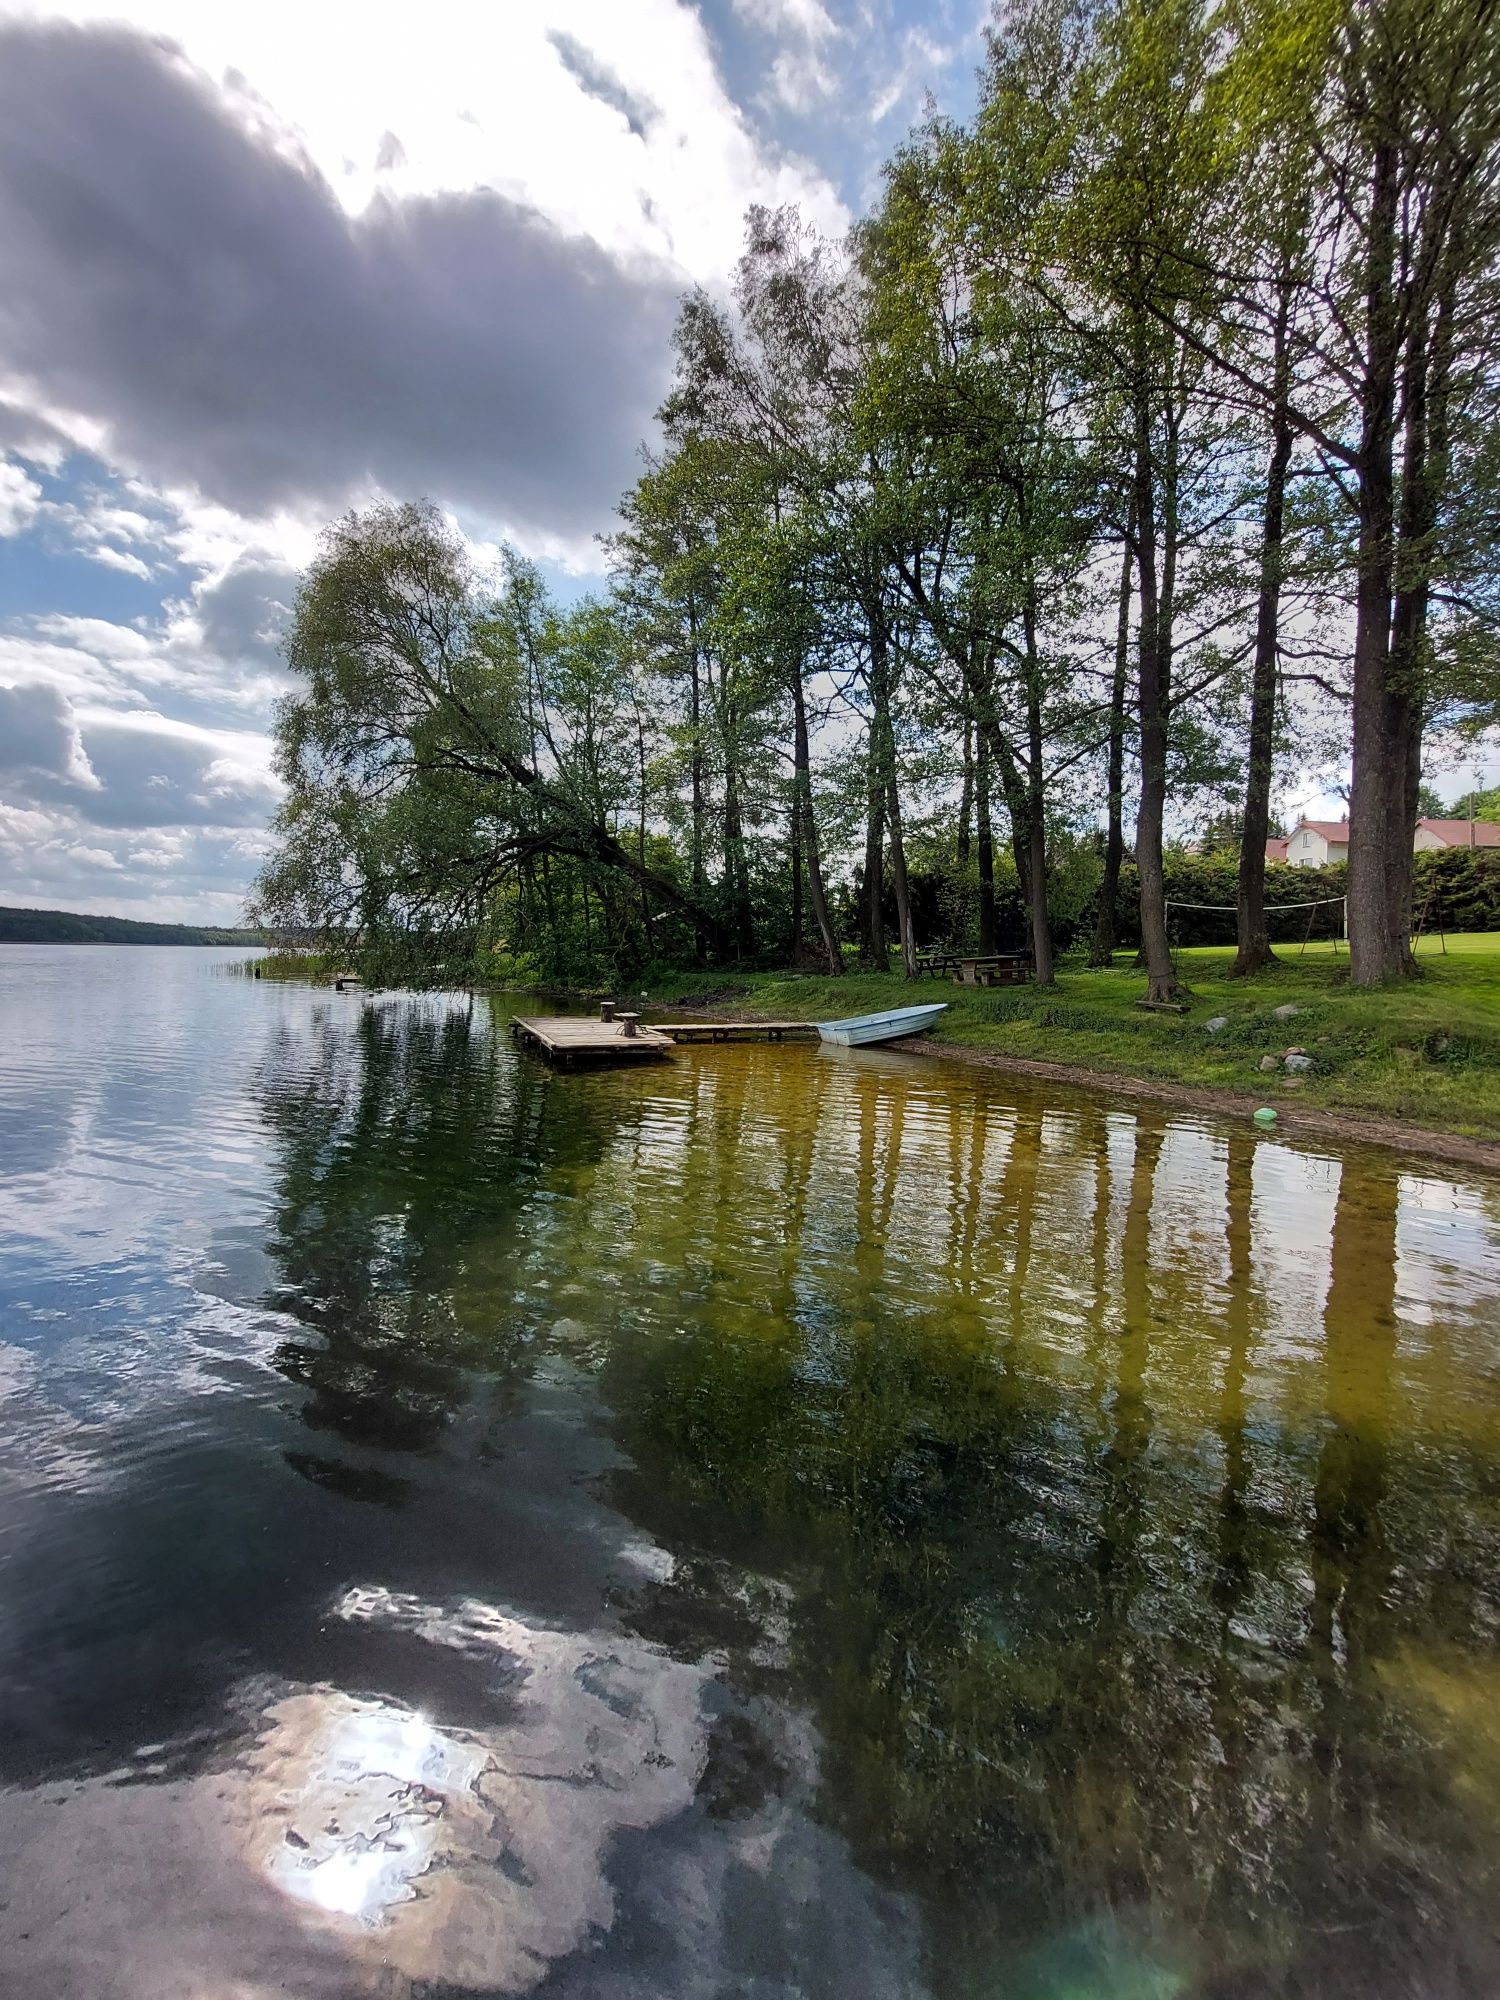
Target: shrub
x=1457, y=890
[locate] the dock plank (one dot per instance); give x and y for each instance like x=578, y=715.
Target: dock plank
x=569, y=1038
x=736, y=1031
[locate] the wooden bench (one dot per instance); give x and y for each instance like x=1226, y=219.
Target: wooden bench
x=935, y=963
x=1000, y=968
x=988, y=968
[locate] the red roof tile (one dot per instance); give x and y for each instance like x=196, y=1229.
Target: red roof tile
x=1463, y=832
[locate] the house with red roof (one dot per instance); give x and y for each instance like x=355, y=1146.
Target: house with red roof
x=1433, y=835
x=1314, y=843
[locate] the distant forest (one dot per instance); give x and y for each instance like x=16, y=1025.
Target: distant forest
x=69, y=927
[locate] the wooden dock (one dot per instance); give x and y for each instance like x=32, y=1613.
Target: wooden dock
x=573, y=1038
x=737, y=1031
x=570, y=1038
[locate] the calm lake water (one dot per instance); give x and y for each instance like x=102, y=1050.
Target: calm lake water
x=782, y=1522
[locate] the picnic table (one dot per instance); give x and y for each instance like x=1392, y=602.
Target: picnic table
x=992, y=968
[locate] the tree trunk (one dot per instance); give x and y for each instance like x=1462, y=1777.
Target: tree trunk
x=794, y=843
x=898, y=874
x=880, y=687
x=984, y=843
x=640, y=731
x=1379, y=766
x=700, y=936
x=735, y=867
x=1036, y=804
x=604, y=848
x=1254, y=944
x=873, y=956
x=803, y=805
x=1014, y=794
x=966, y=797
x=1161, y=973
x=1423, y=471
x=1102, y=949
x=590, y=840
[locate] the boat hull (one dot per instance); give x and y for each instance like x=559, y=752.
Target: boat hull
x=863, y=1030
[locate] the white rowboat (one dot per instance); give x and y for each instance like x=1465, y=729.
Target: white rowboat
x=863, y=1029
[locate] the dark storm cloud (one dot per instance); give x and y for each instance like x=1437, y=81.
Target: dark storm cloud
x=39, y=740
x=153, y=777
x=207, y=297
x=639, y=113
x=244, y=615
x=123, y=772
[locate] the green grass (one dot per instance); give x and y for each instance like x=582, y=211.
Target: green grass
x=1425, y=1053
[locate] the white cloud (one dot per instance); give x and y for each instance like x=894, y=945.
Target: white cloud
x=799, y=80
x=807, y=19
x=130, y=810
x=40, y=739
x=440, y=254
x=20, y=497
x=120, y=559
x=482, y=97
x=922, y=61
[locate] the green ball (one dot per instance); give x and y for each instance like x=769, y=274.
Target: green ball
x=1266, y=1115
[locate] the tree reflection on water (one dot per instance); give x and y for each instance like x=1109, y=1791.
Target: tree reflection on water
x=1116, y=1499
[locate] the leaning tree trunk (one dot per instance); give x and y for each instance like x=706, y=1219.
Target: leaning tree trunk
x=1253, y=942
x=1102, y=948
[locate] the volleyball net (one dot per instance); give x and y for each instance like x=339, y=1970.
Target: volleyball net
x=1316, y=920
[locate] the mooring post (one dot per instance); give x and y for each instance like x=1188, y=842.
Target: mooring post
x=606, y=1010
x=628, y=1024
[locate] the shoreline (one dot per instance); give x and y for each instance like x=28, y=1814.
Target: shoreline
x=1348, y=1127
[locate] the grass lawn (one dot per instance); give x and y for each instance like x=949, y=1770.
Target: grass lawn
x=1425, y=1053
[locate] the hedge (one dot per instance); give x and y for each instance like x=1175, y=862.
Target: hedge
x=1457, y=889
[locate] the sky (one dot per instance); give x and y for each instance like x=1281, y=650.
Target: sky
x=264, y=262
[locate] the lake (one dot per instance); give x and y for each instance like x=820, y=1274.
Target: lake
x=786, y=1521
